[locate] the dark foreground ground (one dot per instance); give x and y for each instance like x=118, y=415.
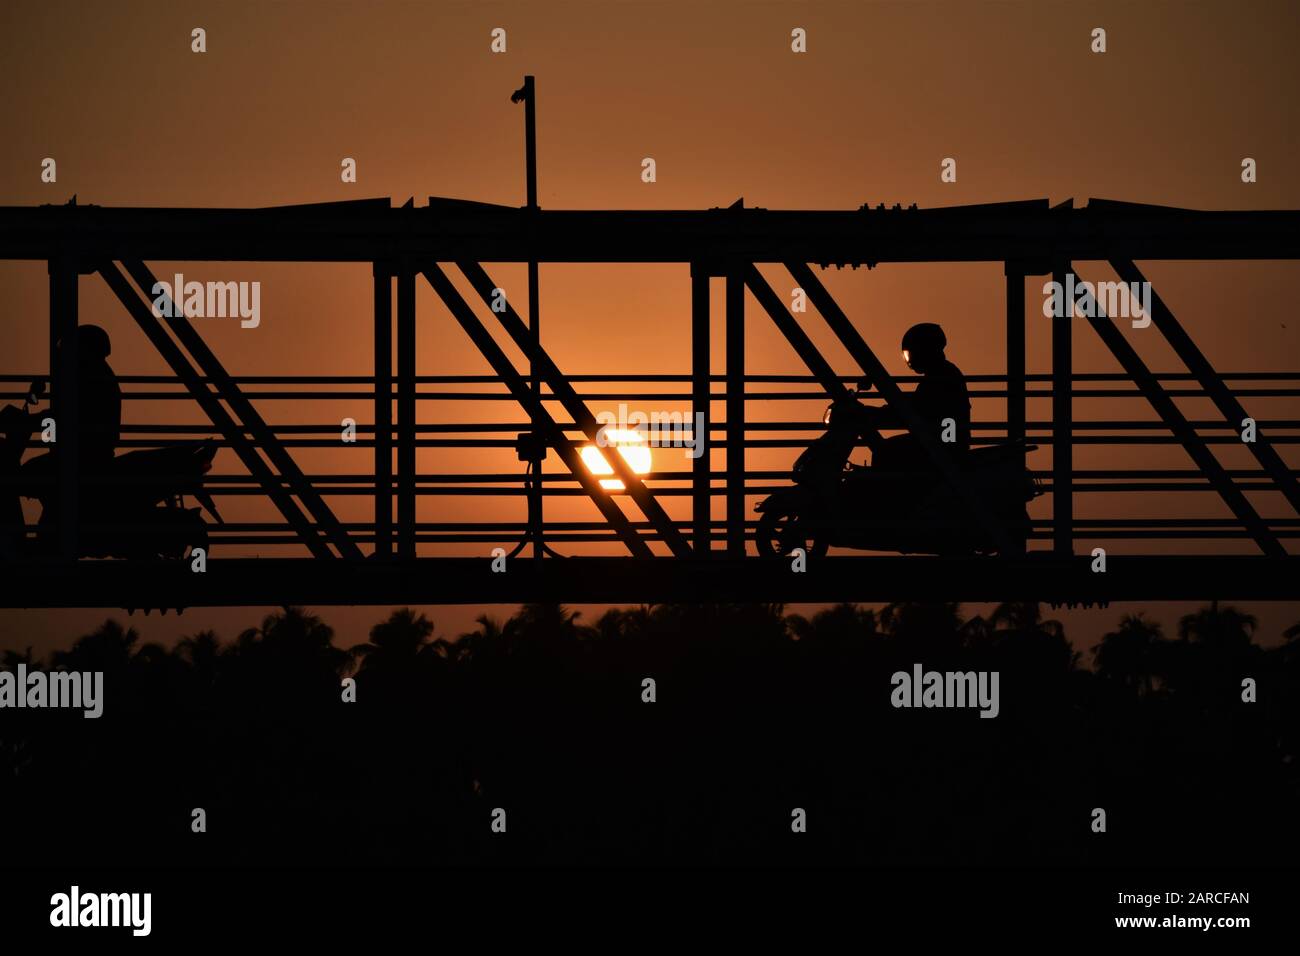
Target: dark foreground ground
x=756, y=714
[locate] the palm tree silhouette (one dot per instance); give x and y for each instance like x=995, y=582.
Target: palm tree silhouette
x=489, y=640
x=202, y=653
x=286, y=662
x=841, y=624
x=400, y=659
x=925, y=628
x=109, y=648
x=548, y=621
x=395, y=644
x=1214, y=643
x=1225, y=628
x=13, y=658
x=1133, y=655
x=293, y=637
x=1018, y=629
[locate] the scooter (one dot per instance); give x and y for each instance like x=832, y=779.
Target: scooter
x=889, y=506
x=134, y=509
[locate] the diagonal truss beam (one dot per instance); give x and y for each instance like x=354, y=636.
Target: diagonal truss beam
x=794, y=334
x=1214, y=386
x=1182, y=429
x=532, y=403
x=576, y=407
x=227, y=389
x=212, y=407
x=894, y=398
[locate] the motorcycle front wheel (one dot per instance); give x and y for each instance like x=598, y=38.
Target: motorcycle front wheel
x=781, y=530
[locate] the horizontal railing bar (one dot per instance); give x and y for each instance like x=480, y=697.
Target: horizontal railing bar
x=452, y=427
x=1041, y=440
x=593, y=538
x=1045, y=377
x=558, y=476
x=1089, y=524
x=681, y=397
x=583, y=538
x=477, y=491
x=217, y=482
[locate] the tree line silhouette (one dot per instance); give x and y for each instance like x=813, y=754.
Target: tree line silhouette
x=757, y=712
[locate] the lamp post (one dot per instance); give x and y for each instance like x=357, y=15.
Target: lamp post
x=531, y=448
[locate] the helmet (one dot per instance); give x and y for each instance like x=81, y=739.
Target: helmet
x=93, y=342
x=925, y=337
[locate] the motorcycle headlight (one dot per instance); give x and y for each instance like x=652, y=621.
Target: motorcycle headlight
x=826, y=416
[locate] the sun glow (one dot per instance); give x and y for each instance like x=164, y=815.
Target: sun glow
x=631, y=445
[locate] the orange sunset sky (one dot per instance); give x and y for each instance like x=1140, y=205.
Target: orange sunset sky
x=713, y=93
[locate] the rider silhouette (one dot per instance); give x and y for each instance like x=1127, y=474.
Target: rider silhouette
x=940, y=400
x=99, y=400
x=99, y=414
x=99, y=411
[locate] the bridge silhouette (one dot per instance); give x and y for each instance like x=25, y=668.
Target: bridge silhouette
x=707, y=553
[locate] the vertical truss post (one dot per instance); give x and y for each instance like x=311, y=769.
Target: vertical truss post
x=63, y=368
x=701, y=411
x=406, y=413
x=1015, y=352
x=534, y=490
x=735, y=350
x=536, y=500
x=383, y=410
x=533, y=485
x=1062, y=423
x=1016, y=358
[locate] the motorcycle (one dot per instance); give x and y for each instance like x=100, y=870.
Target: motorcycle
x=895, y=505
x=135, y=508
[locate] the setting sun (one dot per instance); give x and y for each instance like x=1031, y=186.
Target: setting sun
x=631, y=444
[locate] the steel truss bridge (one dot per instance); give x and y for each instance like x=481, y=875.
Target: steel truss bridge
x=706, y=554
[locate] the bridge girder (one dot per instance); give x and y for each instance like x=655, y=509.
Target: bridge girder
x=450, y=231
x=1028, y=237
